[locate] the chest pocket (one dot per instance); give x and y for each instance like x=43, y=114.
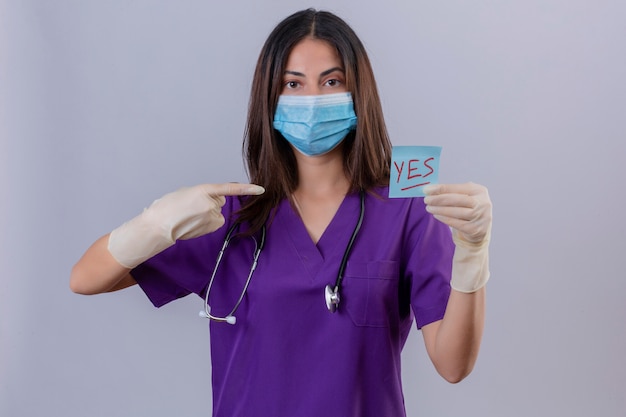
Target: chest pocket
x=370, y=293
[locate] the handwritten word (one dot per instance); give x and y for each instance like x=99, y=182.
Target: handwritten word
x=413, y=167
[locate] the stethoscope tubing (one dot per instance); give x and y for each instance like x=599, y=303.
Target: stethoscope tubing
x=331, y=295
x=230, y=318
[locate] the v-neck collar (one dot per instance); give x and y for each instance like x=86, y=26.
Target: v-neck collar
x=333, y=240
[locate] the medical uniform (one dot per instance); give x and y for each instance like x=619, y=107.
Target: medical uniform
x=287, y=355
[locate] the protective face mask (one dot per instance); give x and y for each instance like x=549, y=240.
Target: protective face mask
x=315, y=125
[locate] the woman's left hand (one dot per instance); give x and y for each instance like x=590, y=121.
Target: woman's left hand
x=464, y=207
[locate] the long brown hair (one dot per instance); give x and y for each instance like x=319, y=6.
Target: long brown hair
x=270, y=160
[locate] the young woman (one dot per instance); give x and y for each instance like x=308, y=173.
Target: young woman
x=323, y=274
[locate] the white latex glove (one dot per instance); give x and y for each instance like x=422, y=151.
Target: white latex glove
x=467, y=209
x=184, y=214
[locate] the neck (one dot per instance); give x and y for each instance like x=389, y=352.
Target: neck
x=322, y=175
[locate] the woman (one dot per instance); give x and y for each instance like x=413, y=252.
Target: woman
x=343, y=270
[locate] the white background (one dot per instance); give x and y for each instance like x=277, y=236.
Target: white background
x=107, y=105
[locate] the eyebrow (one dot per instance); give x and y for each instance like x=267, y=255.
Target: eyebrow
x=323, y=74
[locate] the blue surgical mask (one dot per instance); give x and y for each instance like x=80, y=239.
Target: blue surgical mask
x=315, y=125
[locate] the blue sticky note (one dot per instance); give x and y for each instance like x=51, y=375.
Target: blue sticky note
x=412, y=168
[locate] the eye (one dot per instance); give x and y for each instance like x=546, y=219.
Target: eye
x=333, y=82
x=292, y=84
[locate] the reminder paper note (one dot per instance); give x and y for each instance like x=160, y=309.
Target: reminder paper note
x=412, y=168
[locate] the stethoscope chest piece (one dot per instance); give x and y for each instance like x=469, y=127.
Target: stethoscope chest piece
x=332, y=298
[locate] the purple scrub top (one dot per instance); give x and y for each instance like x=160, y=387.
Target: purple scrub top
x=287, y=355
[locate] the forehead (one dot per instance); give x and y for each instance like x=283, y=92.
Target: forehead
x=313, y=54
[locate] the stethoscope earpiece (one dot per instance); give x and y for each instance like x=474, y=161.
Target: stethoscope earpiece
x=227, y=319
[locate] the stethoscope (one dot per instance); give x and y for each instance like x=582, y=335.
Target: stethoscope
x=258, y=247
x=331, y=293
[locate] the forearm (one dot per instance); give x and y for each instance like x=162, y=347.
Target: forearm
x=456, y=339
x=97, y=271
x=453, y=342
x=184, y=214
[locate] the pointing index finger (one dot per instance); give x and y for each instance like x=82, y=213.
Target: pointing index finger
x=235, y=188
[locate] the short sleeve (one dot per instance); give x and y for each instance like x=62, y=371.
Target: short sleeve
x=429, y=266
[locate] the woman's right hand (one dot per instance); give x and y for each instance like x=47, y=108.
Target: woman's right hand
x=183, y=214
